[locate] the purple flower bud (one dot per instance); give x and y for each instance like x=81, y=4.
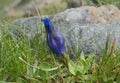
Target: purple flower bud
x=55, y=39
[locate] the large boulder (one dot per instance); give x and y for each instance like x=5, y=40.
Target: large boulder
x=27, y=26
x=85, y=29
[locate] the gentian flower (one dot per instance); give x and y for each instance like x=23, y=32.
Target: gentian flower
x=55, y=39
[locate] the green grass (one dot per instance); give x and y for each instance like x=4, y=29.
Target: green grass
x=18, y=54
x=31, y=61
x=27, y=61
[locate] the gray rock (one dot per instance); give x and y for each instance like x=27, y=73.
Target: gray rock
x=28, y=26
x=80, y=32
x=86, y=28
x=88, y=37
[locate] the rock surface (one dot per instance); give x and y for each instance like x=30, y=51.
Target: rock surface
x=85, y=29
x=90, y=14
x=30, y=26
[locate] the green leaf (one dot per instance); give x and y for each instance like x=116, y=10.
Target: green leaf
x=45, y=68
x=89, y=60
x=71, y=67
x=82, y=56
x=51, y=69
x=80, y=67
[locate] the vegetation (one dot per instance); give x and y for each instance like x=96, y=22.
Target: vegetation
x=30, y=61
x=27, y=61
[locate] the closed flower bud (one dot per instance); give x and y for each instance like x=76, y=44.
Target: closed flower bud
x=55, y=39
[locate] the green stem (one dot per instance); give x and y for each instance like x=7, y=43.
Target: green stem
x=65, y=59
